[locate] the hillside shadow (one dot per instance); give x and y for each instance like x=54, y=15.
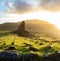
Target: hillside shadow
x=5, y=34
x=14, y=56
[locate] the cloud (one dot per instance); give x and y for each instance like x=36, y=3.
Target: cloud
x=17, y=6
x=53, y=5
x=22, y=6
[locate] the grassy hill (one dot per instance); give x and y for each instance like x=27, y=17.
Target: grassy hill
x=42, y=44
x=43, y=27
x=38, y=26
x=8, y=26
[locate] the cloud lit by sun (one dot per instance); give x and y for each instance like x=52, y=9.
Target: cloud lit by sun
x=18, y=10
x=52, y=17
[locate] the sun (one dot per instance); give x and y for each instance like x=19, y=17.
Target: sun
x=52, y=17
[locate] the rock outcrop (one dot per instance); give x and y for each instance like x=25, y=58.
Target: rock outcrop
x=21, y=27
x=21, y=31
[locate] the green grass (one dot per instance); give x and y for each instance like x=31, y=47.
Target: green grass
x=6, y=39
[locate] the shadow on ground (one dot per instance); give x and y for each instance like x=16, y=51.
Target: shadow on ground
x=5, y=34
x=13, y=56
x=10, y=55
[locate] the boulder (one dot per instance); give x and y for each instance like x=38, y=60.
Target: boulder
x=9, y=56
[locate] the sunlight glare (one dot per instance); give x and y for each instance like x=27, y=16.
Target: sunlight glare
x=52, y=17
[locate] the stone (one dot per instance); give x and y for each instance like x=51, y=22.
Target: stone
x=21, y=27
x=9, y=56
x=21, y=31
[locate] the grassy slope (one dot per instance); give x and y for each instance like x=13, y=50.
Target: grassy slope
x=43, y=47
x=34, y=26
x=42, y=42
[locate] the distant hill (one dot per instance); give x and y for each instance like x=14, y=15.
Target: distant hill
x=9, y=26
x=38, y=26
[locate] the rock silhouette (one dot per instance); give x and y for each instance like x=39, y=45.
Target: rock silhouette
x=21, y=31
x=21, y=27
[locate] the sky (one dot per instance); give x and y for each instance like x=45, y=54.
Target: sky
x=18, y=10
